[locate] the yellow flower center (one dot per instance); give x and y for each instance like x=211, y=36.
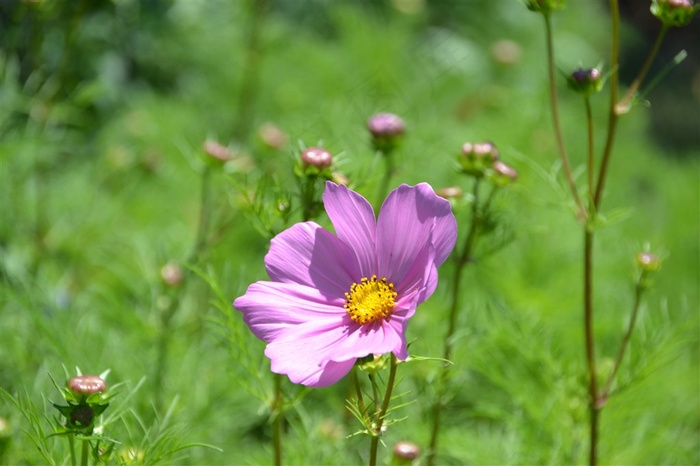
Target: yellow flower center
x=370, y=300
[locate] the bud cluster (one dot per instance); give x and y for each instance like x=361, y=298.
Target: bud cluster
x=482, y=160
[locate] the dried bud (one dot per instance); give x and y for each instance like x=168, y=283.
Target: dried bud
x=450, y=192
x=317, y=157
x=86, y=385
x=585, y=81
x=405, y=453
x=272, y=136
x=648, y=262
x=545, y=6
x=171, y=273
x=216, y=152
x=674, y=12
x=386, y=130
x=502, y=174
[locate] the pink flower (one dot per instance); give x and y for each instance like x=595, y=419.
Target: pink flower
x=336, y=298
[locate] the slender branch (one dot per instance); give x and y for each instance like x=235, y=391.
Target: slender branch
x=388, y=157
x=84, y=453
x=71, y=447
x=612, y=112
x=358, y=391
x=555, y=116
x=590, y=346
x=277, y=417
x=204, y=217
x=624, y=104
x=639, y=290
x=591, y=148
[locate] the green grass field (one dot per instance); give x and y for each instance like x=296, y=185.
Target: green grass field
x=101, y=182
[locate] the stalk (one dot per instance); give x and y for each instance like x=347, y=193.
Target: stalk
x=382, y=412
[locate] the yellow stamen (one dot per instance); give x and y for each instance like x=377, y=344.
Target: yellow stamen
x=370, y=300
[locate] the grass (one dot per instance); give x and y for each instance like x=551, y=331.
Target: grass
x=89, y=218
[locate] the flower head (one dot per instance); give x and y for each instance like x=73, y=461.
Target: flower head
x=334, y=298
x=386, y=130
x=675, y=13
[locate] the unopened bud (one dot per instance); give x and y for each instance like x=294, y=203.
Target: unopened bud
x=405, y=453
x=171, y=273
x=339, y=178
x=272, y=136
x=502, y=174
x=674, y=12
x=506, y=52
x=86, y=385
x=585, y=80
x=216, y=152
x=545, y=6
x=648, y=262
x=316, y=157
x=386, y=130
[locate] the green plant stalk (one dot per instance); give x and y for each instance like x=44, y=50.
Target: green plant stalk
x=591, y=148
x=555, y=115
x=590, y=348
x=462, y=260
x=389, y=168
x=84, y=453
x=200, y=240
x=374, y=444
x=277, y=409
x=71, y=447
x=639, y=290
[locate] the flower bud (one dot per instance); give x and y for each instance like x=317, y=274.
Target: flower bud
x=506, y=52
x=316, y=157
x=585, y=81
x=339, y=178
x=372, y=363
x=674, y=12
x=648, y=262
x=450, y=192
x=386, y=130
x=272, y=136
x=545, y=6
x=502, y=174
x=171, y=273
x=85, y=385
x=216, y=152
x=405, y=453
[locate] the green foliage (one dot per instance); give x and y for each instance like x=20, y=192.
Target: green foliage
x=100, y=189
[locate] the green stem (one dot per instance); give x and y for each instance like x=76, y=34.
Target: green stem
x=623, y=106
x=590, y=347
x=71, y=447
x=555, y=115
x=612, y=111
x=591, y=148
x=382, y=412
x=277, y=410
x=85, y=453
x=639, y=290
x=204, y=217
x=358, y=391
x=464, y=258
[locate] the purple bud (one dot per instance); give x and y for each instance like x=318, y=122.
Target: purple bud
x=317, y=157
x=383, y=125
x=216, y=152
x=648, y=262
x=586, y=80
x=406, y=452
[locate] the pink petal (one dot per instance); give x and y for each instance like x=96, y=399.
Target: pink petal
x=411, y=218
x=301, y=352
x=354, y=222
x=309, y=255
x=270, y=308
x=376, y=338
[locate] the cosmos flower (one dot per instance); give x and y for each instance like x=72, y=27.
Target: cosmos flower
x=334, y=298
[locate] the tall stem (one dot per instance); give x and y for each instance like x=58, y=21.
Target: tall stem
x=277, y=417
x=84, y=453
x=382, y=412
x=555, y=115
x=388, y=157
x=590, y=347
x=591, y=148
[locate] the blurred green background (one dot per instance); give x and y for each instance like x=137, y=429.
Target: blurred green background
x=104, y=109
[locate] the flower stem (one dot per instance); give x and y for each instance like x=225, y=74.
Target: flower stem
x=591, y=148
x=464, y=258
x=388, y=173
x=84, y=453
x=590, y=346
x=639, y=290
x=555, y=115
x=382, y=412
x=71, y=447
x=277, y=410
x=204, y=216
